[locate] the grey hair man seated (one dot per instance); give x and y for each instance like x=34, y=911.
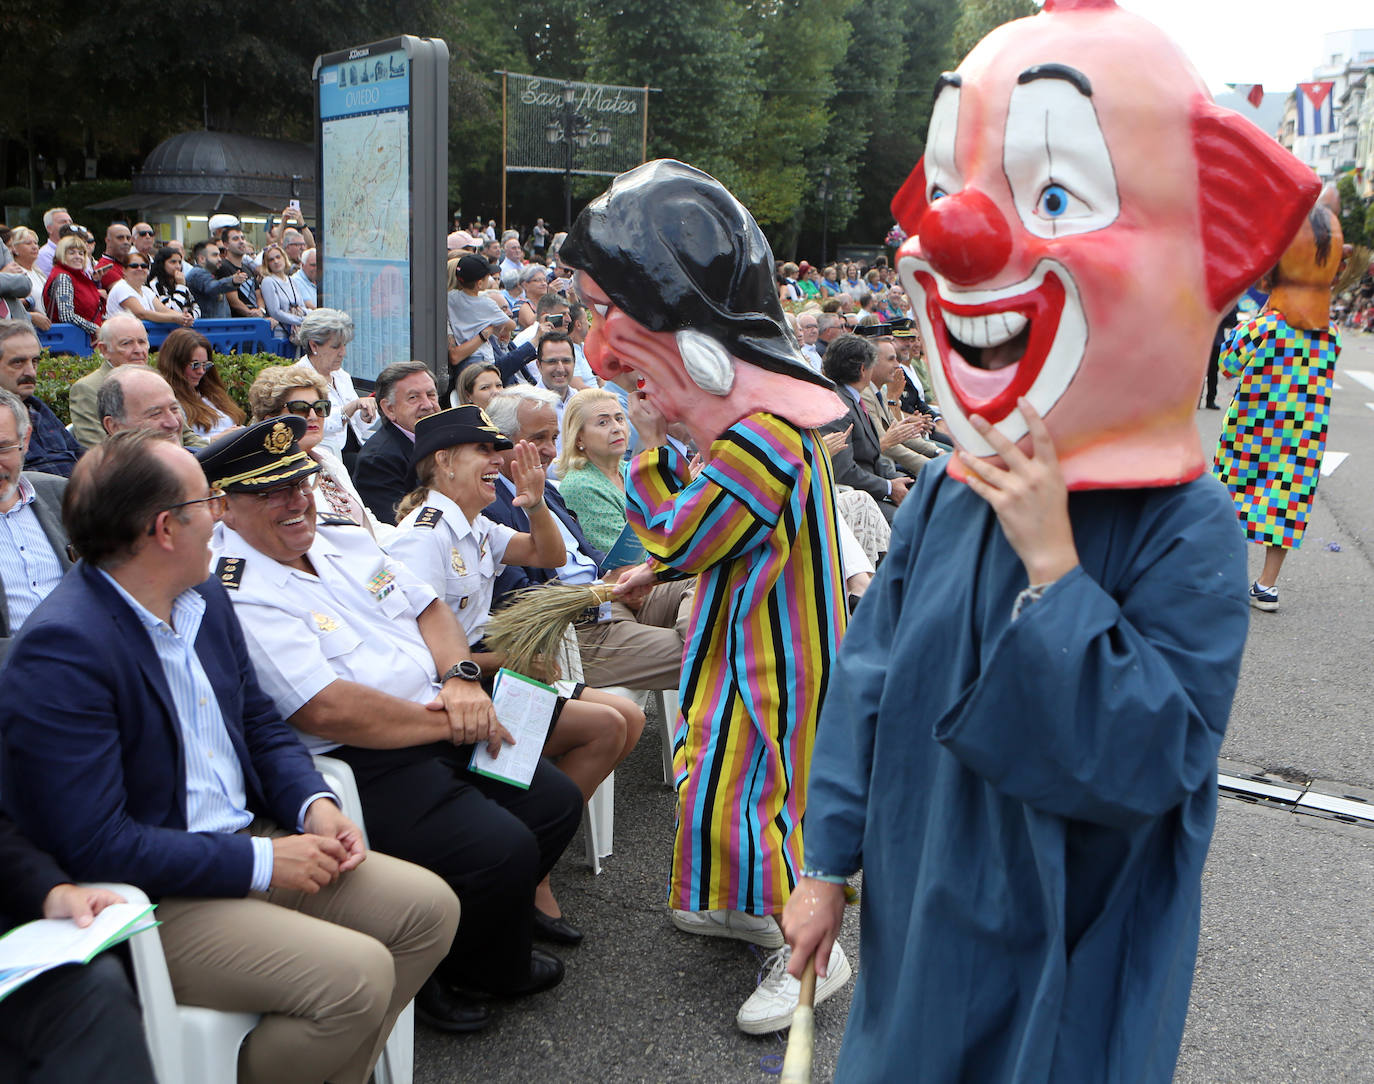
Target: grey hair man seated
x=137, y=397
x=385, y=469
x=122, y=340
x=33, y=544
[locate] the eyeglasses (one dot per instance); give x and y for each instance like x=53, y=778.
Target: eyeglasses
x=200, y=366
x=9, y=449
x=143, y=233
x=136, y=266
x=322, y=407
x=214, y=502
x=279, y=495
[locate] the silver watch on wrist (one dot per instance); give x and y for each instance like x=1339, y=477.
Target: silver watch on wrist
x=467, y=670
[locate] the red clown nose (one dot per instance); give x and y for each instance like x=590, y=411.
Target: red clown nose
x=965, y=237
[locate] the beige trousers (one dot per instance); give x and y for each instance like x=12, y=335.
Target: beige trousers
x=643, y=650
x=330, y=972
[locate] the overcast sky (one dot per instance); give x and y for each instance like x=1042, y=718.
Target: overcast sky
x=1274, y=42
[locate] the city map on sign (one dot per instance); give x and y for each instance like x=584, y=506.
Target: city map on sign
x=365, y=159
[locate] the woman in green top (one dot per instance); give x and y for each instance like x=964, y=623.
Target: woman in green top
x=594, y=436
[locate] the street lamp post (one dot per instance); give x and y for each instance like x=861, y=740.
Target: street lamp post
x=573, y=129
x=825, y=216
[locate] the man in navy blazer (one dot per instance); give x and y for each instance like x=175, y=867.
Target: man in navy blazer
x=146, y=752
x=384, y=471
x=637, y=641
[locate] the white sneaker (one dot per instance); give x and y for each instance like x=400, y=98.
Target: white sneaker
x=763, y=932
x=770, y=1007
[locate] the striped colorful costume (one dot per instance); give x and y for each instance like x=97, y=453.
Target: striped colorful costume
x=1270, y=451
x=758, y=526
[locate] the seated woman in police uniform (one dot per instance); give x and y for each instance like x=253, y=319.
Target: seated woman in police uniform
x=444, y=539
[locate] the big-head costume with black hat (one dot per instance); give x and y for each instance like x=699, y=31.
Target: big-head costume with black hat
x=679, y=279
x=1031, y=805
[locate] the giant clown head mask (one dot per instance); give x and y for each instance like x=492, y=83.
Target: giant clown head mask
x=1083, y=216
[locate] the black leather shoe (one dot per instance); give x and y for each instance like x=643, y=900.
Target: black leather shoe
x=546, y=972
x=558, y=930
x=442, y=1008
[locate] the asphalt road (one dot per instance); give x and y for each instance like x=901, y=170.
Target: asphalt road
x=1283, y=990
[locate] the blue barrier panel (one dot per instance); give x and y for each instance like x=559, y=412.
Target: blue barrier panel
x=65, y=339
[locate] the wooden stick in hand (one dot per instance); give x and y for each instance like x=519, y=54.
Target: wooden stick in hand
x=796, y=1063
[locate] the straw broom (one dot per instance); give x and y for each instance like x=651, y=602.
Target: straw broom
x=529, y=630
x=796, y=1063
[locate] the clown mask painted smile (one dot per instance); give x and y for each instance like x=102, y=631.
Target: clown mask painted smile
x=1025, y=339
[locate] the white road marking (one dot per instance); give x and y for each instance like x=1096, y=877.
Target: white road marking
x=1332, y=460
x=1364, y=376
x=1336, y=387
x=1370, y=405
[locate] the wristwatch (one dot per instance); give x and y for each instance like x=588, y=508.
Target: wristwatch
x=467, y=670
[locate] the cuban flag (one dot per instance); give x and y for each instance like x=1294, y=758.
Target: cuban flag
x=1251, y=92
x=1316, y=110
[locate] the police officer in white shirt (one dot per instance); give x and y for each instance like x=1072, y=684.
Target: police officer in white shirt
x=368, y=664
x=444, y=538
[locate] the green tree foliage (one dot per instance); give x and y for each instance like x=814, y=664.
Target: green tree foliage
x=1353, y=213
x=771, y=96
x=980, y=17
x=701, y=56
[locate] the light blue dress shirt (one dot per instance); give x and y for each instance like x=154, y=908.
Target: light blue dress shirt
x=28, y=567
x=216, y=800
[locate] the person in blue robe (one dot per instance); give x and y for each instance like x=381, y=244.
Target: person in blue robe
x=1026, y=775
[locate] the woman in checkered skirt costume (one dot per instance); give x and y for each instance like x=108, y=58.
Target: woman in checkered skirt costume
x=1270, y=451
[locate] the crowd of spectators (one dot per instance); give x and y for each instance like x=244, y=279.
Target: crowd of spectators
x=64, y=281
x=361, y=539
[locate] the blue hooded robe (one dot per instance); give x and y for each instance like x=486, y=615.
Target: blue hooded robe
x=1030, y=800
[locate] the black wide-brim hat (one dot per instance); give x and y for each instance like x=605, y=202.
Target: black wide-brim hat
x=674, y=249
x=465, y=424
x=263, y=456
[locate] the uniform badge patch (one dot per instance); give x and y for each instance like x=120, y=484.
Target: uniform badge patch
x=429, y=517
x=463, y=603
x=382, y=584
x=456, y=560
x=331, y=519
x=277, y=439
x=229, y=572
x=324, y=622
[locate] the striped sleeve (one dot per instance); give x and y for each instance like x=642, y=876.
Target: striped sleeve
x=729, y=509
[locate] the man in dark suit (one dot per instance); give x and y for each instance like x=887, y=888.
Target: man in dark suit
x=153, y=756
x=33, y=545
x=383, y=471
x=634, y=642
x=74, y=1023
x=52, y=449
x=848, y=361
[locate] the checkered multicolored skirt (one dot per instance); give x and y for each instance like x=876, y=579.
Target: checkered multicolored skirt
x=1270, y=451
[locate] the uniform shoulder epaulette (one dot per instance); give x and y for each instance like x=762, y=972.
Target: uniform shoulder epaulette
x=229, y=572
x=332, y=519
x=429, y=517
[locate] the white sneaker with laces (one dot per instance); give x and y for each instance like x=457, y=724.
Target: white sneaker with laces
x=762, y=931
x=770, y=1007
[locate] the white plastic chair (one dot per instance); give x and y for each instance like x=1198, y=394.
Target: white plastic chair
x=666, y=700
x=188, y=1042
x=598, y=819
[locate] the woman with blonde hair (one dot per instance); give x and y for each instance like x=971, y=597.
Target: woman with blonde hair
x=280, y=297
x=298, y=389
x=24, y=248
x=185, y=362
x=595, y=435
x=71, y=296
